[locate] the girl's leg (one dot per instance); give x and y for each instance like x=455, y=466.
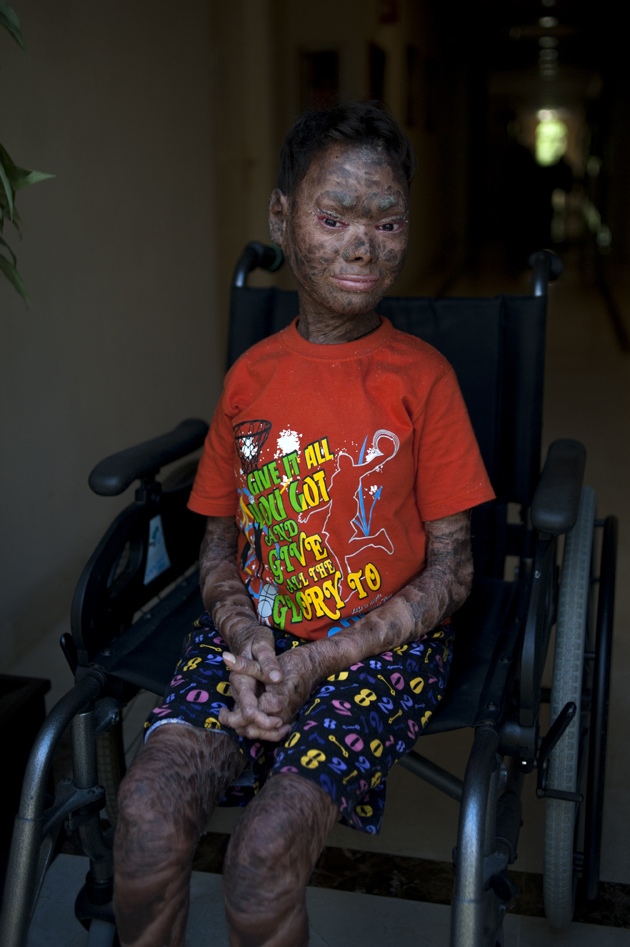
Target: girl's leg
x=165, y=802
x=271, y=855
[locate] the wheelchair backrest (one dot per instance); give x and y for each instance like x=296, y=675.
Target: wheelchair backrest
x=496, y=347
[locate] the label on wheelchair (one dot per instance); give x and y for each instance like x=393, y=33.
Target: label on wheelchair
x=157, y=555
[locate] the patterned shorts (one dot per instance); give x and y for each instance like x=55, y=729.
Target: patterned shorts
x=348, y=735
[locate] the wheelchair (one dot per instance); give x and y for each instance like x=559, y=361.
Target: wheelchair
x=139, y=593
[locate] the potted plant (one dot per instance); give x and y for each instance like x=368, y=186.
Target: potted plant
x=12, y=176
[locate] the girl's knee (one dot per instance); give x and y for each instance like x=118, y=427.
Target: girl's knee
x=139, y=802
x=152, y=831
x=275, y=846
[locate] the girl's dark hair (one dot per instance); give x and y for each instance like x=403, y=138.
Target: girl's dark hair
x=358, y=122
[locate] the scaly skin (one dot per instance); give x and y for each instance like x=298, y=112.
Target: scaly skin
x=270, y=859
x=165, y=801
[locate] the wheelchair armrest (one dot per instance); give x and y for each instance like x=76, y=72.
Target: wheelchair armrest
x=114, y=474
x=554, y=508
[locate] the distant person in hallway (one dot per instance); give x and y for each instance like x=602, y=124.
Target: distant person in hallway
x=337, y=478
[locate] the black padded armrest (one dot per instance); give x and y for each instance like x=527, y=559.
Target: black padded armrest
x=114, y=474
x=555, y=505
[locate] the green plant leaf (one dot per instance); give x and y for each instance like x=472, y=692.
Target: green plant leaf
x=24, y=177
x=8, y=19
x=13, y=277
x=7, y=189
x=4, y=217
x=5, y=157
x=5, y=244
x=4, y=212
x=20, y=177
x=15, y=221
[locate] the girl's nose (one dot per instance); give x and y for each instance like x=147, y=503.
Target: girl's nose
x=361, y=246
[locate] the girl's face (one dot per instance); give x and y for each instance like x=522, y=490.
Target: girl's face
x=345, y=232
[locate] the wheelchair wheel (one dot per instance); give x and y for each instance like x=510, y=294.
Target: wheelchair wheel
x=561, y=815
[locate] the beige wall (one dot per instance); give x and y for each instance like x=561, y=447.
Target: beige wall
x=243, y=45
x=118, y=255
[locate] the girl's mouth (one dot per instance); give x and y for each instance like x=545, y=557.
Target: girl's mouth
x=356, y=284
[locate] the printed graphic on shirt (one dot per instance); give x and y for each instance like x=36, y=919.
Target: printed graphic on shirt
x=250, y=437
x=306, y=557
x=357, y=534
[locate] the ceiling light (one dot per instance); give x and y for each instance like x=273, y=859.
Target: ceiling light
x=547, y=42
x=548, y=54
x=547, y=22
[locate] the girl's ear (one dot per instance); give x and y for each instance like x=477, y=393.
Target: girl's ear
x=278, y=206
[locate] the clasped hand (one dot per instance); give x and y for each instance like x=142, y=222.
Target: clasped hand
x=268, y=690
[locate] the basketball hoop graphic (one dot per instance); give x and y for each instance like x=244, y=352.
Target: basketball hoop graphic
x=250, y=437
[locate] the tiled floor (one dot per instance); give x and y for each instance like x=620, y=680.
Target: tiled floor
x=338, y=918
x=420, y=879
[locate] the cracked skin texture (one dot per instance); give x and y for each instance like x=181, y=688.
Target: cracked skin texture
x=348, y=216
x=344, y=233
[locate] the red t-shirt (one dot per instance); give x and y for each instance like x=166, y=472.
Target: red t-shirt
x=332, y=457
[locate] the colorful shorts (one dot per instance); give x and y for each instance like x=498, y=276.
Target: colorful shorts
x=348, y=735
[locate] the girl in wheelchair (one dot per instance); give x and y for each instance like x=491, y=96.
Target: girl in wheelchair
x=337, y=477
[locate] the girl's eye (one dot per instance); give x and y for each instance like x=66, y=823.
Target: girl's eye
x=395, y=227
x=331, y=222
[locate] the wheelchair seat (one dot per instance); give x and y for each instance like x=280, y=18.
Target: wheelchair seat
x=146, y=656
x=482, y=658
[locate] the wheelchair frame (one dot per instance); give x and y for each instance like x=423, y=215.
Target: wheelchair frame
x=489, y=796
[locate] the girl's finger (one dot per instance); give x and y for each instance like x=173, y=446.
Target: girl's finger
x=253, y=732
x=243, y=665
x=267, y=660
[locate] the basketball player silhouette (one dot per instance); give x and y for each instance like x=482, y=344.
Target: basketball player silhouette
x=355, y=534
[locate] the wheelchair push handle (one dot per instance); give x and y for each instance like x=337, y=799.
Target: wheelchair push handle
x=267, y=257
x=115, y=473
x=546, y=267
